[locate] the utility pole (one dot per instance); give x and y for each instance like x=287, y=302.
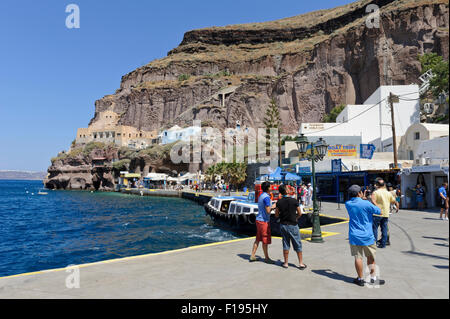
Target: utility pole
x=393, y=99
x=280, y=160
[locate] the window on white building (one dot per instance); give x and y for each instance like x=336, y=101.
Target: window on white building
x=417, y=135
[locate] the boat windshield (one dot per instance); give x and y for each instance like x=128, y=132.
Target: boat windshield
x=224, y=208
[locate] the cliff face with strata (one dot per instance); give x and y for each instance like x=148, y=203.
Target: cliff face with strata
x=96, y=168
x=308, y=64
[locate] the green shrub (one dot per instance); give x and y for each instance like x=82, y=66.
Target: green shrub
x=183, y=77
x=122, y=165
x=75, y=152
x=439, y=67
x=60, y=156
x=331, y=118
x=157, y=151
x=92, y=146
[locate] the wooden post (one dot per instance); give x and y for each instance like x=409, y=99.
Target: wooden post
x=393, y=99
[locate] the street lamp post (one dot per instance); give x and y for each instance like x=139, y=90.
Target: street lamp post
x=318, y=152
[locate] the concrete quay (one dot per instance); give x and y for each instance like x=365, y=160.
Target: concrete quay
x=199, y=197
x=416, y=265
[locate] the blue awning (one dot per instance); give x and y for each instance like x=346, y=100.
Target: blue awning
x=292, y=177
x=276, y=175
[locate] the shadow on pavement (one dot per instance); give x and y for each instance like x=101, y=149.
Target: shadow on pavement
x=277, y=263
x=440, y=266
x=247, y=256
x=425, y=255
x=436, y=238
x=333, y=275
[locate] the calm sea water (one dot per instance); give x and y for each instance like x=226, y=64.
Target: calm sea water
x=40, y=232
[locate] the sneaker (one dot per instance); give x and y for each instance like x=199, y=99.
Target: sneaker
x=359, y=282
x=388, y=243
x=377, y=282
x=446, y=218
x=251, y=259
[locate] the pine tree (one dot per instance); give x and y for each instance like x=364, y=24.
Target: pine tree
x=272, y=119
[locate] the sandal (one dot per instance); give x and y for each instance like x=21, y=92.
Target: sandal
x=302, y=267
x=284, y=266
x=251, y=259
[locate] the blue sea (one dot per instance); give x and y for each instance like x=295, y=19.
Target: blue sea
x=39, y=232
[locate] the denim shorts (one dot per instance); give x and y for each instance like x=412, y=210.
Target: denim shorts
x=291, y=233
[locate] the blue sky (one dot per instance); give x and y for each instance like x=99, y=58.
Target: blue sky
x=50, y=76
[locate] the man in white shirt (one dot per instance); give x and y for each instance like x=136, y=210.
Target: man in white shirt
x=309, y=195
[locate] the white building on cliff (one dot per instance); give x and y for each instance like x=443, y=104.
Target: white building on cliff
x=106, y=129
x=372, y=120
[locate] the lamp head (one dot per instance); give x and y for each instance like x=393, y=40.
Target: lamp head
x=321, y=148
x=302, y=144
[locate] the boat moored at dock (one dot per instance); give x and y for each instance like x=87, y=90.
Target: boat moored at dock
x=238, y=213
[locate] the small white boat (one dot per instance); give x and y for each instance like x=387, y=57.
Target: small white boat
x=42, y=193
x=235, y=211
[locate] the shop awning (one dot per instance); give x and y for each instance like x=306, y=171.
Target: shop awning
x=156, y=177
x=190, y=176
x=132, y=175
x=292, y=177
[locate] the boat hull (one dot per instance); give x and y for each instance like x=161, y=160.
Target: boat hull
x=246, y=223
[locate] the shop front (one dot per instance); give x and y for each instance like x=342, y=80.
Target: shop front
x=431, y=177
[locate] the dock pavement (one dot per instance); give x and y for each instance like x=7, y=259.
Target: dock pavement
x=415, y=265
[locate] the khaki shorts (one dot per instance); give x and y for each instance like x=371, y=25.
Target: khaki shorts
x=369, y=251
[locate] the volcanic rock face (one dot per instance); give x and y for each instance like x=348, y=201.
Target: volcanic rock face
x=79, y=172
x=96, y=171
x=308, y=64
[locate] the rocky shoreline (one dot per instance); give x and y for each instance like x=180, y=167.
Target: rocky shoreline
x=97, y=167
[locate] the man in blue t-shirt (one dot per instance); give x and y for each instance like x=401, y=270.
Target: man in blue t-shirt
x=443, y=200
x=263, y=223
x=360, y=233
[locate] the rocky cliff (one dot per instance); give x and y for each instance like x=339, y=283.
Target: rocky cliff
x=97, y=166
x=308, y=64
